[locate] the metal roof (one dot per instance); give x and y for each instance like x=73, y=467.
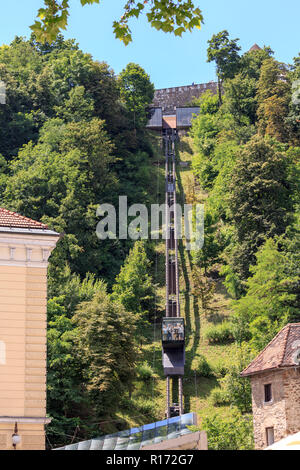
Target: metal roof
x=155, y=120
x=185, y=116
x=137, y=438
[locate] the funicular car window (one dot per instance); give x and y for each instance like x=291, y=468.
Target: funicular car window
x=173, y=329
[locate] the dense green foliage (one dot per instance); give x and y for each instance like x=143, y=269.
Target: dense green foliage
x=73, y=137
x=232, y=434
x=137, y=92
x=246, y=160
x=166, y=15
x=224, y=52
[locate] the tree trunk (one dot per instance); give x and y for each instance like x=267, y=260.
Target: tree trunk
x=220, y=91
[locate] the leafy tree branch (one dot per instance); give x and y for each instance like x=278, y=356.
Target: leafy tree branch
x=169, y=16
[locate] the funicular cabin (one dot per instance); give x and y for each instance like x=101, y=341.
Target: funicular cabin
x=173, y=341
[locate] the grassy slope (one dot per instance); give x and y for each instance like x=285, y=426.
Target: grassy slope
x=148, y=399
x=197, y=389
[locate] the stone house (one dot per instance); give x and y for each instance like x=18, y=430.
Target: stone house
x=275, y=383
x=25, y=246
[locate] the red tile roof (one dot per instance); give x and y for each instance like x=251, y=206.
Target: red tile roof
x=280, y=352
x=14, y=220
x=255, y=47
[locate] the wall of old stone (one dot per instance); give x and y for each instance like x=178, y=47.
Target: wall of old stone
x=283, y=412
x=170, y=98
x=291, y=378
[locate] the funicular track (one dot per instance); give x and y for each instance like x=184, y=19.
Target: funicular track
x=173, y=335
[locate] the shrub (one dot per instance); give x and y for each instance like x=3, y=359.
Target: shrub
x=220, y=369
x=219, y=334
x=219, y=397
x=202, y=367
x=237, y=387
x=144, y=406
x=233, y=433
x=145, y=371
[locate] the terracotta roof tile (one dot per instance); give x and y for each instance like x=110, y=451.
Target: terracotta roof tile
x=280, y=352
x=255, y=47
x=14, y=220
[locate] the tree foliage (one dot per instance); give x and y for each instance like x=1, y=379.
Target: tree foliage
x=68, y=144
x=260, y=198
x=134, y=286
x=105, y=344
x=273, y=294
x=137, y=92
x=224, y=52
x=233, y=433
x=273, y=96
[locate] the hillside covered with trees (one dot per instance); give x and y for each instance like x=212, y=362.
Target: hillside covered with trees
x=73, y=136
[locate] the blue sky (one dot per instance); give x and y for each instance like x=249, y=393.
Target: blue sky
x=169, y=61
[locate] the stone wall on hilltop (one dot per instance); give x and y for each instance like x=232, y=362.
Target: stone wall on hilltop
x=170, y=98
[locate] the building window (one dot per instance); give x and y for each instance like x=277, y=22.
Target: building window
x=270, y=436
x=268, y=393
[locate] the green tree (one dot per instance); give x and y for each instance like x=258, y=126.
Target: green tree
x=252, y=61
x=233, y=433
x=260, y=201
x=224, y=52
x=273, y=96
x=238, y=388
x=134, y=287
x=293, y=118
x=272, y=298
x=205, y=129
x=166, y=15
x=203, y=288
x=240, y=99
x=65, y=398
x=209, y=254
x=62, y=180
x=137, y=92
x=105, y=343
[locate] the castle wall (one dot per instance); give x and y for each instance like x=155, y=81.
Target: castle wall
x=170, y=98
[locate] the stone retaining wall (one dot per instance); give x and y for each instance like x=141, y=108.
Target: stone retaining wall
x=170, y=98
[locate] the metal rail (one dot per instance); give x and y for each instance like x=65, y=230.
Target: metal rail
x=172, y=282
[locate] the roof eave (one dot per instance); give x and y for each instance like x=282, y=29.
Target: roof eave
x=271, y=369
x=34, y=231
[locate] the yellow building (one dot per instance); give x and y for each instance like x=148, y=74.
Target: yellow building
x=25, y=246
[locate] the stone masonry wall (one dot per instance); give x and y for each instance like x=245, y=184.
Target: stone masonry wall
x=283, y=412
x=268, y=415
x=170, y=98
x=291, y=379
